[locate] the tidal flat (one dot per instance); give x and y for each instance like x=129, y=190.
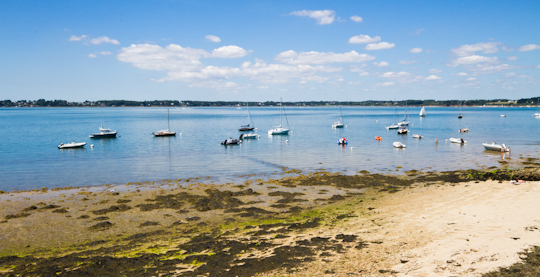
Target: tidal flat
x=296, y=224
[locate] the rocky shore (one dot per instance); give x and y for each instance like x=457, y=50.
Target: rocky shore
x=298, y=224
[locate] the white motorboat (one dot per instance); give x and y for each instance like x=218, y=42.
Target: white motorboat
x=251, y=136
x=231, y=141
x=423, y=112
x=496, y=147
x=458, y=140
x=393, y=126
x=104, y=133
x=502, y=115
x=402, y=130
x=416, y=136
x=165, y=133
x=71, y=145
x=398, y=144
x=279, y=130
x=464, y=130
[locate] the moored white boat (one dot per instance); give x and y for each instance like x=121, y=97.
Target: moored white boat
x=339, y=124
x=251, y=136
x=279, y=130
x=402, y=130
x=398, y=144
x=165, y=133
x=417, y=136
x=496, y=147
x=71, y=145
x=231, y=141
x=393, y=126
x=104, y=133
x=458, y=140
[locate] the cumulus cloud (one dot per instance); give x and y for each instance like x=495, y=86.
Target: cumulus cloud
x=471, y=79
x=529, y=47
x=513, y=58
x=155, y=57
x=231, y=51
x=104, y=53
x=416, y=50
x=488, y=68
x=322, y=16
x=407, y=62
x=292, y=57
x=386, y=84
x=364, y=39
x=104, y=39
x=383, y=63
x=485, y=47
x=76, y=38
x=92, y=55
x=262, y=87
x=434, y=70
x=380, y=45
x=462, y=74
x=473, y=59
x=356, y=18
x=212, y=38
x=364, y=74
x=432, y=77
x=395, y=74
x=281, y=73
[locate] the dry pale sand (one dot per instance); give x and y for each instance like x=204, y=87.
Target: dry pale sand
x=473, y=228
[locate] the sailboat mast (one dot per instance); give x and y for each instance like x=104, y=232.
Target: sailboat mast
x=168, y=127
x=280, y=112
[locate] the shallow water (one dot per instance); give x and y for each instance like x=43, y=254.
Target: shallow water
x=29, y=157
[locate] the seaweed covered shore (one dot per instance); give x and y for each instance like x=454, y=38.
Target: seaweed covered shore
x=298, y=224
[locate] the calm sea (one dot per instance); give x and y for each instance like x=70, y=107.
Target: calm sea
x=29, y=157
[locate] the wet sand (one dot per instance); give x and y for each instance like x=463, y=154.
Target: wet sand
x=415, y=224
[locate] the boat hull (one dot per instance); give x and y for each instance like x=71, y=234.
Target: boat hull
x=250, y=136
x=246, y=129
x=98, y=136
x=71, y=145
x=495, y=147
x=278, y=131
x=458, y=140
x=398, y=144
x=164, y=134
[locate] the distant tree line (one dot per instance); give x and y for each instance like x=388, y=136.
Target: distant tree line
x=190, y=103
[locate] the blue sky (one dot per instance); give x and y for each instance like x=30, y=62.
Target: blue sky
x=263, y=50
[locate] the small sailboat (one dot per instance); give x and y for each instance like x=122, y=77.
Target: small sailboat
x=404, y=122
x=71, y=145
x=394, y=125
x=165, y=133
x=104, y=133
x=279, y=130
x=496, y=147
x=250, y=126
x=339, y=124
x=423, y=112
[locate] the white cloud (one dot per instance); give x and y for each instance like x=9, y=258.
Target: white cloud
x=418, y=31
x=529, y=47
x=471, y=79
x=212, y=38
x=364, y=39
x=407, y=62
x=386, y=84
x=262, y=87
x=462, y=74
x=380, y=45
x=363, y=74
x=105, y=53
x=485, y=47
x=356, y=18
x=513, y=58
x=291, y=57
x=432, y=77
x=313, y=78
x=231, y=51
x=154, y=57
x=281, y=73
x=383, y=63
x=395, y=74
x=92, y=55
x=538, y=66
x=76, y=38
x=488, y=69
x=355, y=83
x=416, y=50
x=322, y=16
x=473, y=60
x=104, y=39
x=434, y=70
x=510, y=74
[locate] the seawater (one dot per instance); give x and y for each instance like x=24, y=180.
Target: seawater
x=30, y=159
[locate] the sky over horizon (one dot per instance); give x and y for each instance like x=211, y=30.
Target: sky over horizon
x=263, y=50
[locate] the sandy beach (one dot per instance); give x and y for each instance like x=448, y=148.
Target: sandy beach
x=414, y=224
